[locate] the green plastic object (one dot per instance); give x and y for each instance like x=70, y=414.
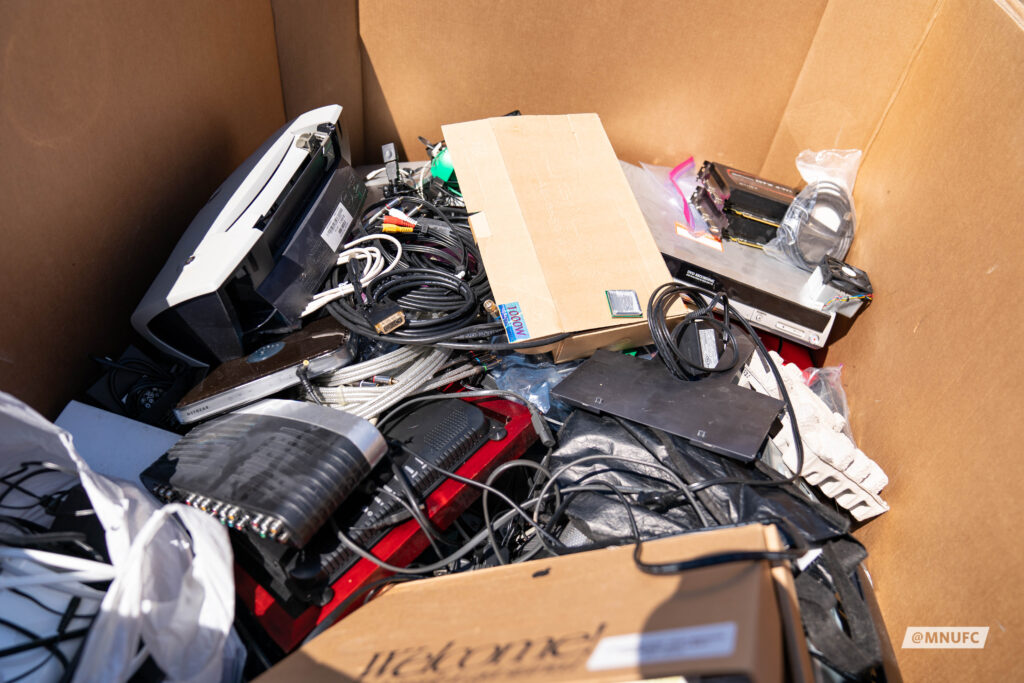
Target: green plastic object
x=441, y=166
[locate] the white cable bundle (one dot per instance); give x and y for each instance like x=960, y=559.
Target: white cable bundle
x=413, y=370
x=376, y=264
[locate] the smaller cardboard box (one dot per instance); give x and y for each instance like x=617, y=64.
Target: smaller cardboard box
x=563, y=240
x=592, y=616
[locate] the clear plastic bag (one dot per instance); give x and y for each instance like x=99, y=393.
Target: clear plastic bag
x=827, y=384
x=658, y=191
x=821, y=220
x=533, y=377
x=172, y=590
x=683, y=180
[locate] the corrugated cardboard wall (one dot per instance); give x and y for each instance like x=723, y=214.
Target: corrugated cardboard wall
x=669, y=79
x=117, y=121
x=856, y=62
x=318, y=52
x=933, y=369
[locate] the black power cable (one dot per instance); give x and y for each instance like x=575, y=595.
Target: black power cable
x=671, y=355
x=670, y=344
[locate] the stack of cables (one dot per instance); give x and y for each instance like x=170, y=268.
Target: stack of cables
x=413, y=275
x=374, y=386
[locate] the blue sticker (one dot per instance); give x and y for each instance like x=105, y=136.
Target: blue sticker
x=515, y=324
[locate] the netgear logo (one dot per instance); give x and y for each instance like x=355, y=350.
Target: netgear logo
x=946, y=637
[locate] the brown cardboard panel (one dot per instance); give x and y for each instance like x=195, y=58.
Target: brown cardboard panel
x=857, y=60
x=933, y=369
x=556, y=222
x=543, y=620
x=613, y=338
x=117, y=121
x=669, y=79
x=798, y=658
x=318, y=52
x=618, y=338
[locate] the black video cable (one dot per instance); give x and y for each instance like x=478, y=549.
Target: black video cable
x=670, y=344
x=439, y=286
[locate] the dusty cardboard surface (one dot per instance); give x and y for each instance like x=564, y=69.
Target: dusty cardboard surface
x=318, y=53
x=555, y=220
x=844, y=87
x=117, y=122
x=933, y=369
x=558, y=620
x=632, y=64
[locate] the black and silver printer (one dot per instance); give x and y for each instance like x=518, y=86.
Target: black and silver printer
x=253, y=257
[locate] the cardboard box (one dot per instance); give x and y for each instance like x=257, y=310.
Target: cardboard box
x=558, y=229
x=118, y=120
x=592, y=616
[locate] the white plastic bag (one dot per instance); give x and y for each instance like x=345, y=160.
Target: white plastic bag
x=173, y=587
x=821, y=219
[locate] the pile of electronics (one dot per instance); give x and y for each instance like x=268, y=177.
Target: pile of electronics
x=355, y=407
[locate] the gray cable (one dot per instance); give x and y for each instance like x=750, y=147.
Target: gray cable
x=418, y=374
x=487, y=513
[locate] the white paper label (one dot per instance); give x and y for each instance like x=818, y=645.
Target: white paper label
x=708, y=347
x=337, y=226
x=709, y=641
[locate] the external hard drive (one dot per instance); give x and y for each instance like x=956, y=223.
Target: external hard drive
x=324, y=344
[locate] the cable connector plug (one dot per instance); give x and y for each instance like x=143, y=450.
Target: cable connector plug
x=432, y=225
x=385, y=318
x=540, y=426
x=660, y=501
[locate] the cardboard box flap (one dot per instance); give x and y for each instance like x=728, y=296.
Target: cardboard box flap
x=557, y=619
x=555, y=219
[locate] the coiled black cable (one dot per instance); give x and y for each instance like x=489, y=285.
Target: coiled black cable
x=447, y=302
x=670, y=344
x=670, y=354
x=439, y=284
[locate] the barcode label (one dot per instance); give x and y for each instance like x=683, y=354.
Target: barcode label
x=708, y=347
x=337, y=226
